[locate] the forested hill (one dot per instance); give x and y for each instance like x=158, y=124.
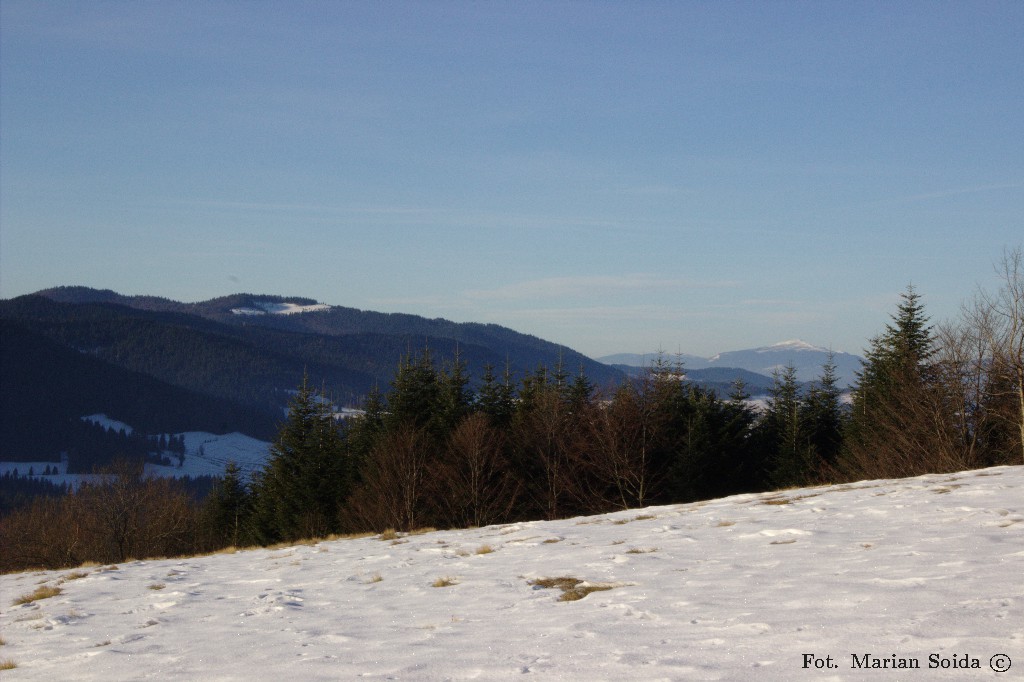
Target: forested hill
x=490, y=343
x=48, y=387
x=135, y=357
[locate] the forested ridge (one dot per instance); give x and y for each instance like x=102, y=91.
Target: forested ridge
x=438, y=447
x=48, y=388
x=500, y=345
x=430, y=451
x=77, y=351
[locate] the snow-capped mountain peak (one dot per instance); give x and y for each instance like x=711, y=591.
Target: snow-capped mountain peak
x=791, y=345
x=806, y=358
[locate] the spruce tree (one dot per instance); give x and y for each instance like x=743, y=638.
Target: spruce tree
x=892, y=426
x=822, y=414
x=415, y=392
x=786, y=431
x=496, y=397
x=454, y=399
x=227, y=509
x=299, y=491
x=579, y=392
x=363, y=432
x=902, y=351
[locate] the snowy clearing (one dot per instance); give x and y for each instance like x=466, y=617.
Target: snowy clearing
x=762, y=586
x=206, y=454
x=269, y=308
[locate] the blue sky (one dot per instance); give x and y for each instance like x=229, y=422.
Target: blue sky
x=614, y=176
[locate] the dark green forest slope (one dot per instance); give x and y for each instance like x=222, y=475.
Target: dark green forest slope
x=165, y=366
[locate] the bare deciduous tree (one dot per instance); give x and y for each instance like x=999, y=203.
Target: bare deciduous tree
x=988, y=344
x=393, y=483
x=473, y=484
x=619, y=453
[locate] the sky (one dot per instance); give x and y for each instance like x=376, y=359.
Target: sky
x=693, y=177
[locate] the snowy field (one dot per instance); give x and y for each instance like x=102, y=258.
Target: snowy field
x=799, y=585
x=206, y=454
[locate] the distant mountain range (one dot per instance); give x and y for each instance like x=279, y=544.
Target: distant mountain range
x=807, y=359
x=228, y=364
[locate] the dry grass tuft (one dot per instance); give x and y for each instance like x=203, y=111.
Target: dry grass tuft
x=726, y=524
x=34, y=614
x=444, y=582
x=779, y=499
x=581, y=591
x=484, y=549
x=389, y=534
x=375, y=578
x=642, y=550
x=573, y=589
x=7, y=664
x=157, y=586
x=347, y=536
x=645, y=517
x=423, y=531
x=41, y=592
x=563, y=583
x=75, y=575
x=551, y=541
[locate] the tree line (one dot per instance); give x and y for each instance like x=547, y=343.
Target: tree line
x=431, y=452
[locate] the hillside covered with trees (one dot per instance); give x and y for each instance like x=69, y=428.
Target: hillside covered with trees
x=438, y=449
x=168, y=367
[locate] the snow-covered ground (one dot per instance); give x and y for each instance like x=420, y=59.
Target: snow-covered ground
x=206, y=454
x=765, y=587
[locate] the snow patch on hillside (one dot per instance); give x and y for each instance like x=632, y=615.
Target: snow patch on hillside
x=740, y=588
x=206, y=454
x=266, y=307
x=108, y=423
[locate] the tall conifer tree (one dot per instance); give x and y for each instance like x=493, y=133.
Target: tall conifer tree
x=299, y=491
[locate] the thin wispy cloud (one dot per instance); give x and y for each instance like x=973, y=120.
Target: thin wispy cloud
x=947, y=193
x=596, y=314
x=561, y=287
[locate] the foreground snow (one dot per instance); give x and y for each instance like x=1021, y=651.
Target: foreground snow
x=733, y=589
